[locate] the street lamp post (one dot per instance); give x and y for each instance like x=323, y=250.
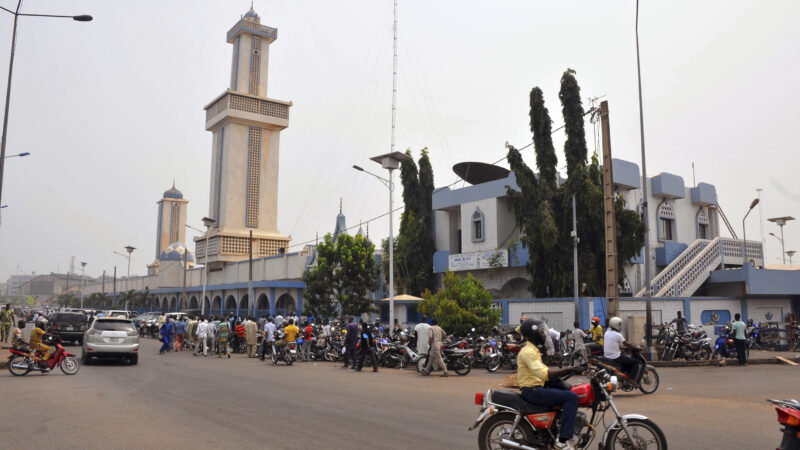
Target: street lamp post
x=18, y=155
x=744, y=230
x=17, y=14
x=781, y=221
x=389, y=161
x=83, y=281
x=208, y=222
x=790, y=253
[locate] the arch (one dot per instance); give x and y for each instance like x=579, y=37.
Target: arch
x=243, y=304
x=703, y=224
x=285, y=305
x=173, y=304
x=193, y=303
x=262, y=304
x=216, y=305
x=162, y=304
x=207, y=302
x=667, y=219
x=230, y=305
x=477, y=227
x=515, y=288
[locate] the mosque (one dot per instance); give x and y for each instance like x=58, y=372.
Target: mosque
x=243, y=204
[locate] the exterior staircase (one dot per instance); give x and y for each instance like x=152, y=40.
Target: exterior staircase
x=683, y=276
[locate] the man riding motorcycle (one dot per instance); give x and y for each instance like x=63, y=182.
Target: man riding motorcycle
x=596, y=332
x=37, y=334
x=611, y=347
x=533, y=375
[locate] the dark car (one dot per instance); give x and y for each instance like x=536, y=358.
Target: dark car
x=70, y=326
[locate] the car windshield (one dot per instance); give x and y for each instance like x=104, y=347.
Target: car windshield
x=69, y=318
x=113, y=325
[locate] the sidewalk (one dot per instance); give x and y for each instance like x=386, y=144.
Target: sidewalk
x=756, y=357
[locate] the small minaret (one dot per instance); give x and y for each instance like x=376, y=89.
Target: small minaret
x=171, y=219
x=246, y=128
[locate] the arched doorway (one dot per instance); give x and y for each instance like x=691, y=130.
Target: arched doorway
x=173, y=304
x=262, y=306
x=207, y=302
x=515, y=288
x=244, y=306
x=162, y=304
x=193, y=303
x=216, y=306
x=230, y=305
x=285, y=305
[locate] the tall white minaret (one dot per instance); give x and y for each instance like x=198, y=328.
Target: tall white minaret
x=246, y=128
x=171, y=219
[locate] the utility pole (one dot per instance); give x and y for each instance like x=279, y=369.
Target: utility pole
x=103, y=290
x=575, y=241
x=612, y=277
x=115, y=285
x=185, y=299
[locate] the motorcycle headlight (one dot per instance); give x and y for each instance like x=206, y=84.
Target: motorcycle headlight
x=612, y=384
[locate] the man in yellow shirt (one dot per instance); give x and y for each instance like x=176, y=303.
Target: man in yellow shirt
x=291, y=331
x=533, y=375
x=596, y=332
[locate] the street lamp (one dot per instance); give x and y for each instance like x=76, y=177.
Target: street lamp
x=744, y=230
x=790, y=253
x=781, y=221
x=208, y=222
x=389, y=161
x=83, y=281
x=18, y=155
x=17, y=14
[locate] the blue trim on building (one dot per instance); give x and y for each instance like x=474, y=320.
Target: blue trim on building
x=272, y=300
x=445, y=197
x=441, y=261
x=232, y=286
x=744, y=309
x=761, y=281
x=626, y=174
x=704, y=194
x=299, y=302
x=600, y=309
x=687, y=309
x=504, y=305
x=583, y=313
x=668, y=253
x=668, y=185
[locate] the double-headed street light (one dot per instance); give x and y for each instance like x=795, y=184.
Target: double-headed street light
x=790, y=253
x=744, y=230
x=83, y=281
x=208, y=222
x=17, y=14
x=781, y=221
x=389, y=161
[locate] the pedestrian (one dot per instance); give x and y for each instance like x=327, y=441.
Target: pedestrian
x=202, y=336
x=213, y=345
x=578, y=345
x=223, y=333
x=191, y=329
x=180, y=334
x=367, y=344
x=680, y=323
x=308, y=334
x=436, y=336
x=166, y=331
x=397, y=328
x=737, y=328
x=6, y=320
x=269, y=334
x=251, y=337
x=261, y=322
x=278, y=321
x=350, y=342
x=422, y=331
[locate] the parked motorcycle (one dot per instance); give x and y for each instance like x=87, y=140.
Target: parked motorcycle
x=505, y=356
x=287, y=352
x=644, y=377
x=725, y=348
x=20, y=362
x=506, y=420
x=788, y=416
x=456, y=359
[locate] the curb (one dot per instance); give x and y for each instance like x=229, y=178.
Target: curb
x=716, y=363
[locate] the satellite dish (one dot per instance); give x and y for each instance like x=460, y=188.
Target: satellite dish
x=479, y=172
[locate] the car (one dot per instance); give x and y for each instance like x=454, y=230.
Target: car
x=111, y=337
x=117, y=313
x=69, y=326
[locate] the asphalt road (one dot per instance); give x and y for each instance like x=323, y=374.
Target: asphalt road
x=180, y=401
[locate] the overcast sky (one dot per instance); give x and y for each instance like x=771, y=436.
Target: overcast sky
x=111, y=110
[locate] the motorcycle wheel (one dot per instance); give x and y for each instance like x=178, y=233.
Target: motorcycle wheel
x=494, y=363
x=421, y=363
x=69, y=365
x=289, y=360
x=706, y=354
x=331, y=354
x=273, y=358
x=644, y=432
x=650, y=380
x=498, y=427
x=389, y=359
x=19, y=372
x=462, y=366
x=403, y=361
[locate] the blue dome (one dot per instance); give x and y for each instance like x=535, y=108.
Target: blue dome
x=175, y=252
x=251, y=14
x=173, y=193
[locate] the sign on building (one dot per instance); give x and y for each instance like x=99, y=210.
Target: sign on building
x=478, y=260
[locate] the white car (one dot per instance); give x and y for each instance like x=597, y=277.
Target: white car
x=111, y=337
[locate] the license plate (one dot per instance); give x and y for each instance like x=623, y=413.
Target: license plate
x=112, y=340
x=292, y=351
x=68, y=328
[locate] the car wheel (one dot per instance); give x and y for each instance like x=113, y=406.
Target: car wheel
x=87, y=359
x=133, y=359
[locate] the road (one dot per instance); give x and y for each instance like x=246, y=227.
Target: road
x=180, y=401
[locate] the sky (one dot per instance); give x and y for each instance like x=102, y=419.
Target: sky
x=112, y=110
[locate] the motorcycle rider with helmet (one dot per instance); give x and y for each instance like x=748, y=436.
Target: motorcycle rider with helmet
x=533, y=374
x=596, y=332
x=37, y=334
x=611, y=347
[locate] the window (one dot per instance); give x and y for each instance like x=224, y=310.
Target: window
x=253, y=176
x=255, y=65
x=666, y=222
x=703, y=224
x=175, y=223
x=219, y=137
x=702, y=231
x=477, y=226
x=411, y=314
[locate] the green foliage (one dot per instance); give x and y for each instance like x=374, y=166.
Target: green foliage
x=544, y=213
x=461, y=305
x=345, y=274
x=414, y=246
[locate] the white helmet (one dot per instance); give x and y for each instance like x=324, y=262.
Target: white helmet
x=615, y=323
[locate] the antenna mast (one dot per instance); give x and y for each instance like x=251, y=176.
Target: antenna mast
x=394, y=74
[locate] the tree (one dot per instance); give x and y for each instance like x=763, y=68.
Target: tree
x=461, y=305
x=543, y=210
x=128, y=298
x=345, y=274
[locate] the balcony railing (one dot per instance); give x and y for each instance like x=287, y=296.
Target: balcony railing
x=257, y=28
x=238, y=102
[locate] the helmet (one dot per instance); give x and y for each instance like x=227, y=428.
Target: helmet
x=534, y=330
x=595, y=321
x=615, y=323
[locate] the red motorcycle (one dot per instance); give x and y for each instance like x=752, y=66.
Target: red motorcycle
x=20, y=362
x=788, y=416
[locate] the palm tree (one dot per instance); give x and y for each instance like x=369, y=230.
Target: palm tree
x=128, y=298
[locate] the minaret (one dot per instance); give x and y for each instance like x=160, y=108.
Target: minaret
x=246, y=128
x=171, y=219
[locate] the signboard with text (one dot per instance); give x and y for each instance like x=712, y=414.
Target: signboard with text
x=478, y=260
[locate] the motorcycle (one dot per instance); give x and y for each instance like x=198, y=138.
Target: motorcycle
x=456, y=359
x=20, y=362
x=334, y=347
x=725, y=348
x=284, y=351
x=788, y=416
x=506, y=420
x=505, y=356
x=644, y=377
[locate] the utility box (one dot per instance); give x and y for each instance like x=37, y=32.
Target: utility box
x=635, y=328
